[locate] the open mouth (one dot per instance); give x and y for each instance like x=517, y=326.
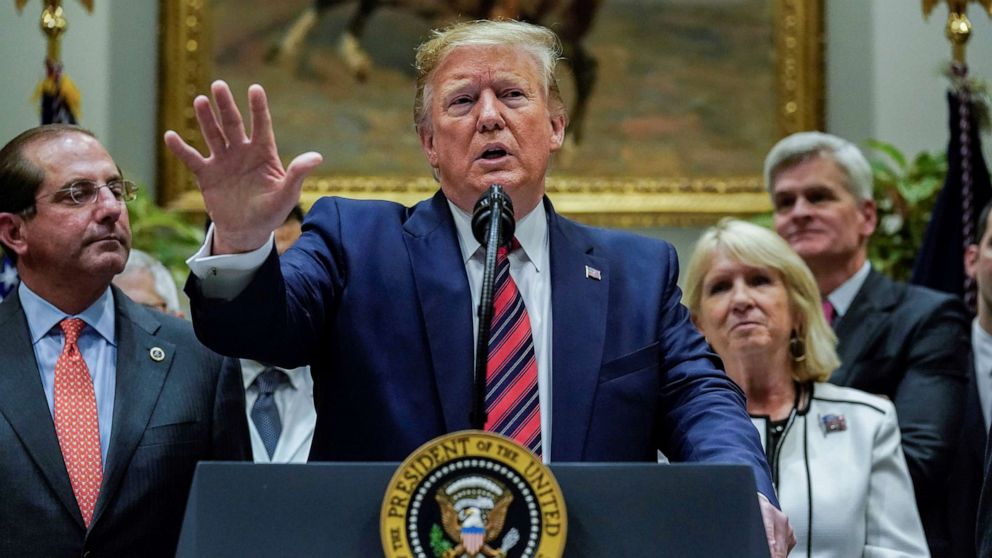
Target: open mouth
x=493, y=153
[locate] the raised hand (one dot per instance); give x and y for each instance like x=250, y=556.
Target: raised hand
x=245, y=188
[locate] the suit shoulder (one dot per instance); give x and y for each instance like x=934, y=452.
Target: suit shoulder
x=925, y=296
x=912, y=304
x=841, y=396
x=336, y=203
x=616, y=241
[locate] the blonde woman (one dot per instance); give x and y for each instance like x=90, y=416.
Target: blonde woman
x=834, y=452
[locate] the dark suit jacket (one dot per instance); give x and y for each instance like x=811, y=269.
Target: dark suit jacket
x=375, y=297
x=912, y=345
x=965, y=481
x=167, y=416
x=983, y=530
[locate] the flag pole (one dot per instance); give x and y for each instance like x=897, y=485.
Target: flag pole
x=60, y=99
x=958, y=31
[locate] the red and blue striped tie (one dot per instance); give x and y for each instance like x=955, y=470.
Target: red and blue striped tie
x=511, y=377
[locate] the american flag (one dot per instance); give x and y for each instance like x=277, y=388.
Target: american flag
x=8, y=277
x=472, y=538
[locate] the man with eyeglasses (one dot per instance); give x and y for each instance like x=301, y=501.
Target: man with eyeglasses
x=105, y=406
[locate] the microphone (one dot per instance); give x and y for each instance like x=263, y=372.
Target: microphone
x=494, y=203
x=492, y=225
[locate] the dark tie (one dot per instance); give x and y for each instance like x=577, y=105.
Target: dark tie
x=829, y=312
x=511, y=378
x=76, y=423
x=264, y=412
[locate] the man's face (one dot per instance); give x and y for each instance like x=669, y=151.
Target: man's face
x=287, y=234
x=490, y=123
x=816, y=214
x=978, y=266
x=62, y=243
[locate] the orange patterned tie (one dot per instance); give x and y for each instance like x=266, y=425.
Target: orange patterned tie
x=76, y=421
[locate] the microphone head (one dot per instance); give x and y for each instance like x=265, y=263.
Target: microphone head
x=495, y=203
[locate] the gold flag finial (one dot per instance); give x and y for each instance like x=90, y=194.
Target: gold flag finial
x=958, y=28
x=53, y=23
x=19, y=4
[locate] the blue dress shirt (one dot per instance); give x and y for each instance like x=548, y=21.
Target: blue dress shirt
x=96, y=344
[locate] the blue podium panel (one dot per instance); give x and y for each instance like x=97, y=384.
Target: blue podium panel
x=332, y=509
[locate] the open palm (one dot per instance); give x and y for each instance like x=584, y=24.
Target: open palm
x=246, y=190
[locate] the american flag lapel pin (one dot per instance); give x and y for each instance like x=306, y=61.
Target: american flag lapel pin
x=832, y=423
x=593, y=273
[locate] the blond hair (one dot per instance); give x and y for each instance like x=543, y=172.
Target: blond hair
x=757, y=246
x=539, y=42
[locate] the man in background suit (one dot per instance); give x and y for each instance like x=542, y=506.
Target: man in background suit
x=379, y=298
x=905, y=342
x=105, y=406
x=148, y=282
x=967, y=473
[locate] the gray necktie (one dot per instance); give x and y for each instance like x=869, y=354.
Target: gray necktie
x=264, y=412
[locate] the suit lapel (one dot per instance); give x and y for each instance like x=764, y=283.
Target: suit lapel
x=974, y=424
x=139, y=381
x=23, y=403
x=578, y=334
x=442, y=287
x=857, y=329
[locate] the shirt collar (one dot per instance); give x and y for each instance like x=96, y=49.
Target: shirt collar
x=42, y=316
x=981, y=344
x=250, y=369
x=843, y=296
x=531, y=232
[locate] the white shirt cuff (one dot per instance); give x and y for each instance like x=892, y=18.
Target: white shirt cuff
x=225, y=276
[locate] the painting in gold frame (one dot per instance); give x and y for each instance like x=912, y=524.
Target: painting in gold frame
x=689, y=97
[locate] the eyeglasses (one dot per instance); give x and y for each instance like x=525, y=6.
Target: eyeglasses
x=83, y=192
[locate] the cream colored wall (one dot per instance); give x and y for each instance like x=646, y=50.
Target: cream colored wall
x=112, y=56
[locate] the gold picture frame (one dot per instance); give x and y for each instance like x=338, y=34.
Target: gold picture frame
x=625, y=201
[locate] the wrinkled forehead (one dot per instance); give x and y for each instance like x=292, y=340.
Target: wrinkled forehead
x=71, y=156
x=811, y=169
x=486, y=63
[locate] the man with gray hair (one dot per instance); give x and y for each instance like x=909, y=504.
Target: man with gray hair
x=905, y=342
x=378, y=298
x=147, y=281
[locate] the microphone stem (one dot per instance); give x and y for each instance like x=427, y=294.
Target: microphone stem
x=479, y=415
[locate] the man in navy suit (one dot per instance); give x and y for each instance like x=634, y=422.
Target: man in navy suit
x=378, y=298
x=105, y=406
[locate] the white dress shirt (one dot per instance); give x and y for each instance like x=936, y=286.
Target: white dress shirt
x=842, y=297
x=530, y=268
x=225, y=276
x=294, y=399
x=981, y=346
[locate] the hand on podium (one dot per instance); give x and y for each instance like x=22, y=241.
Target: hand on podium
x=779, y=533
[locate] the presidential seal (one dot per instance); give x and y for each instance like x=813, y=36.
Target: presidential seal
x=470, y=494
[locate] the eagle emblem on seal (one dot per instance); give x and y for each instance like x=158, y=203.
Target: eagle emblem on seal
x=473, y=512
